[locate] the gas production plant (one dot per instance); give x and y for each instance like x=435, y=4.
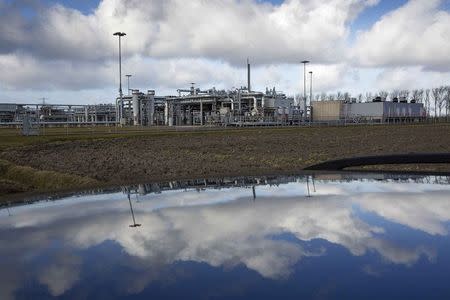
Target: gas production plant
x=194, y=106
x=190, y=106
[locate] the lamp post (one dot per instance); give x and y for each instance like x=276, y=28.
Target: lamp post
x=304, y=86
x=310, y=86
x=310, y=94
x=128, y=79
x=120, y=35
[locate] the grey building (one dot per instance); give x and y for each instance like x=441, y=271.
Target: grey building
x=376, y=111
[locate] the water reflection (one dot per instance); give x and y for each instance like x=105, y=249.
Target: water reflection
x=373, y=226
x=132, y=212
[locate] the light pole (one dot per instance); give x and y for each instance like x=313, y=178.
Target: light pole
x=304, y=86
x=120, y=35
x=310, y=86
x=128, y=78
x=310, y=95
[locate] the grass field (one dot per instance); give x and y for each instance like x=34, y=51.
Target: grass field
x=77, y=158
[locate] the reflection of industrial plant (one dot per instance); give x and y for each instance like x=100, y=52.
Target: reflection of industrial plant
x=252, y=183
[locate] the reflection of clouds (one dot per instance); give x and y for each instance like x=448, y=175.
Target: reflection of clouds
x=424, y=211
x=400, y=255
x=61, y=274
x=177, y=226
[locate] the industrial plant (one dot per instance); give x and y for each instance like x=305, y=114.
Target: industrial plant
x=193, y=106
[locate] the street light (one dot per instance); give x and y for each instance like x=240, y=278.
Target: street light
x=304, y=84
x=120, y=35
x=310, y=86
x=128, y=78
x=310, y=95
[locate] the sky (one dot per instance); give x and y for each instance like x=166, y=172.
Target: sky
x=65, y=50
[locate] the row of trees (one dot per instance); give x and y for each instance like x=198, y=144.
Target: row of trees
x=436, y=100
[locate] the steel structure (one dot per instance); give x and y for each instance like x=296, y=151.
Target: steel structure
x=58, y=114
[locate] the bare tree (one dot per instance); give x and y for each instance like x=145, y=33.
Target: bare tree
x=368, y=97
x=446, y=99
x=404, y=93
x=436, y=97
x=420, y=96
x=340, y=96
x=360, y=97
x=332, y=97
x=442, y=98
x=427, y=101
x=323, y=96
x=347, y=96
x=383, y=94
x=394, y=94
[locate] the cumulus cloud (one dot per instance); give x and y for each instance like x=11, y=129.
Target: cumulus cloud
x=219, y=29
x=416, y=34
x=171, y=43
x=64, y=53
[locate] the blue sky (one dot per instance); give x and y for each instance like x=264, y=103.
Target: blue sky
x=64, y=50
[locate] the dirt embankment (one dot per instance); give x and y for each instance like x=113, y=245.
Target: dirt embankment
x=224, y=153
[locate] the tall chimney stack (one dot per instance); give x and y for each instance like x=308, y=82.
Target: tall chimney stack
x=248, y=76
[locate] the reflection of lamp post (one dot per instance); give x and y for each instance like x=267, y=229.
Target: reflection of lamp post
x=314, y=184
x=254, y=193
x=132, y=213
x=304, y=85
x=307, y=186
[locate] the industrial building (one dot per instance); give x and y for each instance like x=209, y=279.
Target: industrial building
x=378, y=110
x=193, y=106
x=57, y=114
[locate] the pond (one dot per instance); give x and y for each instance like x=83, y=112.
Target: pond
x=332, y=236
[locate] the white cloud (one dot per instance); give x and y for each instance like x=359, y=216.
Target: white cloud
x=71, y=57
x=416, y=34
x=220, y=29
x=61, y=274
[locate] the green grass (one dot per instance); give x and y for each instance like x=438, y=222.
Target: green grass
x=14, y=178
x=11, y=137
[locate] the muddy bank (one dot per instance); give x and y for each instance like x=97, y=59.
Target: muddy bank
x=224, y=153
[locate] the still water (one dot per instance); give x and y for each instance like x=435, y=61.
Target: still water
x=355, y=236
